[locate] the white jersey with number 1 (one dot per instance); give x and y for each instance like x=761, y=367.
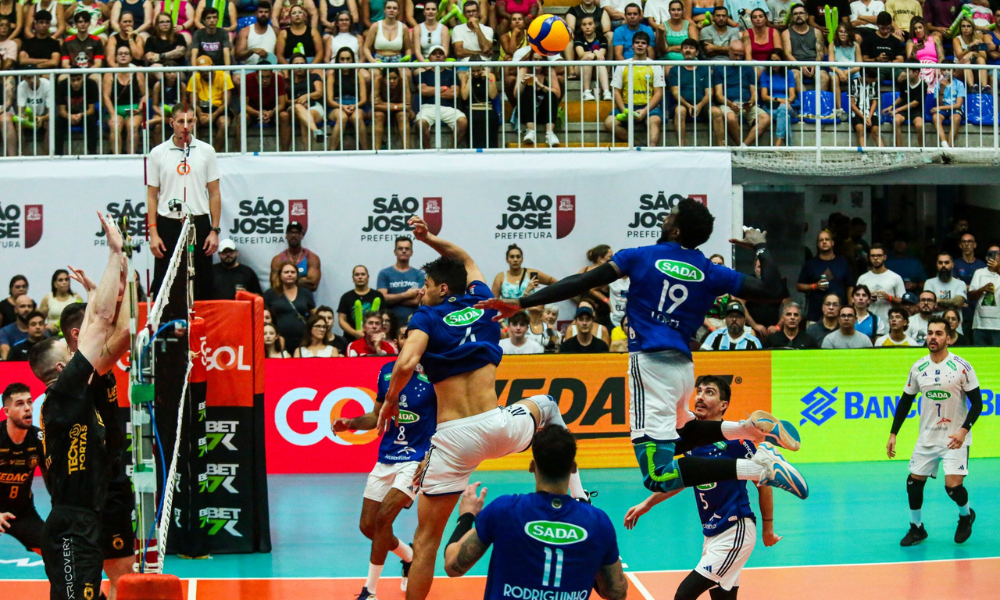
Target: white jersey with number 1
x=944, y=407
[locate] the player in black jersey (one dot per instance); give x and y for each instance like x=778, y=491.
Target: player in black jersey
x=20, y=453
x=117, y=535
x=75, y=455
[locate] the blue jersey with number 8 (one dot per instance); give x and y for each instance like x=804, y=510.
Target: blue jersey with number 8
x=670, y=291
x=462, y=338
x=545, y=546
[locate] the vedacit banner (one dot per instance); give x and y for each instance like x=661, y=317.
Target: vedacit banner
x=555, y=206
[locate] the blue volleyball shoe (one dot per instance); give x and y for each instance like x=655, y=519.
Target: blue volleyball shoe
x=780, y=473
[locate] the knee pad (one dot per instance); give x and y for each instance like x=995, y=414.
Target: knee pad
x=549, y=410
x=915, y=492
x=693, y=586
x=959, y=494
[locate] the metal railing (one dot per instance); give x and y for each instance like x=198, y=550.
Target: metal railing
x=492, y=106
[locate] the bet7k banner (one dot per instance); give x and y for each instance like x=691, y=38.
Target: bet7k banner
x=843, y=401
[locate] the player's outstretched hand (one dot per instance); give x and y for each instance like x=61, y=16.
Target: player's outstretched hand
x=111, y=233
x=340, y=425
x=505, y=307
x=5, y=519
x=80, y=277
x=471, y=502
x=419, y=226
x=751, y=237
x=633, y=514
x=890, y=447
x=390, y=410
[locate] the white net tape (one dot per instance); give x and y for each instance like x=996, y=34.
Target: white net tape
x=832, y=162
x=163, y=297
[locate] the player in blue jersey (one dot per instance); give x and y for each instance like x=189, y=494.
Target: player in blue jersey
x=727, y=520
x=671, y=287
x=459, y=348
x=545, y=545
x=390, y=486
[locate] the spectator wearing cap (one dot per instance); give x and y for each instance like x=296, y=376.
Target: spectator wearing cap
x=36, y=333
x=825, y=273
x=358, y=302
x=41, y=50
x=846, y=336
x=306, y=261
x=450, y=116
x=516, y=342
x=909, y=303
x=230, y=276
x=214, y=106
x=828, y=322
x=899, y=321
x=598, y=330
x=585, y=342
x=83, y=50
x=791, y=335
x=400, y=283
x=736, y=335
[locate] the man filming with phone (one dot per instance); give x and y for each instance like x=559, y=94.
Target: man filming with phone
x=982, y=292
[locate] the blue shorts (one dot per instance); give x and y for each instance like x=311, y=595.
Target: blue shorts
x=655, y=112
x=947, y=113
x=660, y=472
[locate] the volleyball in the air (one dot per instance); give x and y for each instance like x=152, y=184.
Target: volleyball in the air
x=548, y=35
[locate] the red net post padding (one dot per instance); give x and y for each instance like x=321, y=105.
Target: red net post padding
x=198, y=340
x=146, y=586
x=258, y=338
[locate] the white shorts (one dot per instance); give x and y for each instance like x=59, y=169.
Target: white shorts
x=926, y=460
x=459, y=446
x=723, y=555
x=661, y=385
x=385, y=477
x=449, y=115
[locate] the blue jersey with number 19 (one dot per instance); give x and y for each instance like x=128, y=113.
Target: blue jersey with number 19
x=670, y=291
x=545, y=546
x=462, y=338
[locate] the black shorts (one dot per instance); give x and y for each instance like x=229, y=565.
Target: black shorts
x=72, y=553
x=117, y=534
x=856, y=120
x=27, y=528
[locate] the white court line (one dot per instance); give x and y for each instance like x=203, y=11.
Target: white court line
x=192, y=589
x=638, y=585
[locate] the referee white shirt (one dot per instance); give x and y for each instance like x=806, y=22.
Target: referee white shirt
x=165, y=170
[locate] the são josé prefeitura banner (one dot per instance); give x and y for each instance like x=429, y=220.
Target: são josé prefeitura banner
x=554, y=205
x=841, y=402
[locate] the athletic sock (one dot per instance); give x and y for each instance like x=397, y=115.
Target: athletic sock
x=403, y=551
x=964, y=511
x=748, y=470
x=916, y=517
x=576, y=486
x=374, y=572
x=741, y=430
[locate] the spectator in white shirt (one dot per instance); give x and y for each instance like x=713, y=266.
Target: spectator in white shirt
x=886, y=286
x=899, y=320
x=517, y=343
x=736, y=335
x=615, y=10
x=864, y=14
x=982, y=291
x=926, y=307
x=950, y=292
x=472, y=38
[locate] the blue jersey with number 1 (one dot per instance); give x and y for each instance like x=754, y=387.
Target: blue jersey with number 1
x=409, y=435
x=545, y=546
x=462, y=338
x=670, y=291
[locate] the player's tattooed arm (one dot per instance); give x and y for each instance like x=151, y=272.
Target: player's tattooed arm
x=365, y=422
x=611, y=583
x=462, y=555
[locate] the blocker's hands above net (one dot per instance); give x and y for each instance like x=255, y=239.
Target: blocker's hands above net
x=420, y=230
x=505, y=307
x=751, y=237
x=112, y=233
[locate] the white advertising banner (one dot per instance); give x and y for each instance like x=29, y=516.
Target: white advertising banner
x=555, y=206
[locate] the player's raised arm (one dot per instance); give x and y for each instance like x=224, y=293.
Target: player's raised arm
x=465, y=548
x=769, y=286
x=402, y=371
x=446, y=249
x=564, y=289
x=98, y=342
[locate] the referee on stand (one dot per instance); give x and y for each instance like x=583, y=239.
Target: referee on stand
x=183, y=170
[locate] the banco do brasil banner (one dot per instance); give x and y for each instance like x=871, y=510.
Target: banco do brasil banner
x=554, y=205
x=841, y=402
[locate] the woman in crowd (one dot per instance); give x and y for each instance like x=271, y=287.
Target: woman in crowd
x=305, y=107
x=299, y=38
x=598, y=297
x=61, y=296
x=925, y=49
x=314, y=342
x=778, y=97
x=344, y=37
x=969, y=50
x=845, y=48
x=184, y=14
x=164, y=44
x=954, y=318
x=550, y=314
x=510, y=43
x=390, y=325
x=540, y=331
x=281, y=16
x=761, y=40
x=347, y=96
x=274, y=346
x=332, y=339
x=290, y=304
x=529, y=9
x=478, y=89
x=13, y=12
x=392, y=107
x=670, y=34
x=330, y=11
x=518, y=280
x=992, y=41
x=372, y=11
x=141, y=12
x=430, y=33
x=387, y=41
x=124, y=96
x=127, y=37
x=18, y=285
x=538, y=95
x=590, y=45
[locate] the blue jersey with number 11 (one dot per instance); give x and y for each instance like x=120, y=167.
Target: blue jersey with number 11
x=670, y=291
x=545, y=546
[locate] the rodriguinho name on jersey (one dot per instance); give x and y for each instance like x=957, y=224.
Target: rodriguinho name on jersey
x=516, y=591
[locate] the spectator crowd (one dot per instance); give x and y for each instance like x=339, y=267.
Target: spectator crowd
x=888, y=304
x=899, y=38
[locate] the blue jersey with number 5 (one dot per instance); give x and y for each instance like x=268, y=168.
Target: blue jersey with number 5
x=409, y=435
x=462, y=338
x=545, y=546
x=722, y=504
x=670, y=291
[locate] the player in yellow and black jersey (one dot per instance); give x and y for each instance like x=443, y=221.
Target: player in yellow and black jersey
x=20, y=453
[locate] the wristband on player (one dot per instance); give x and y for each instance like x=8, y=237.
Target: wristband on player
x=152, y=225
x=465, y=523
x=812, y=287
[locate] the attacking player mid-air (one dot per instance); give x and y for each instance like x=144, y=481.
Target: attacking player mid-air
x=671, y=287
